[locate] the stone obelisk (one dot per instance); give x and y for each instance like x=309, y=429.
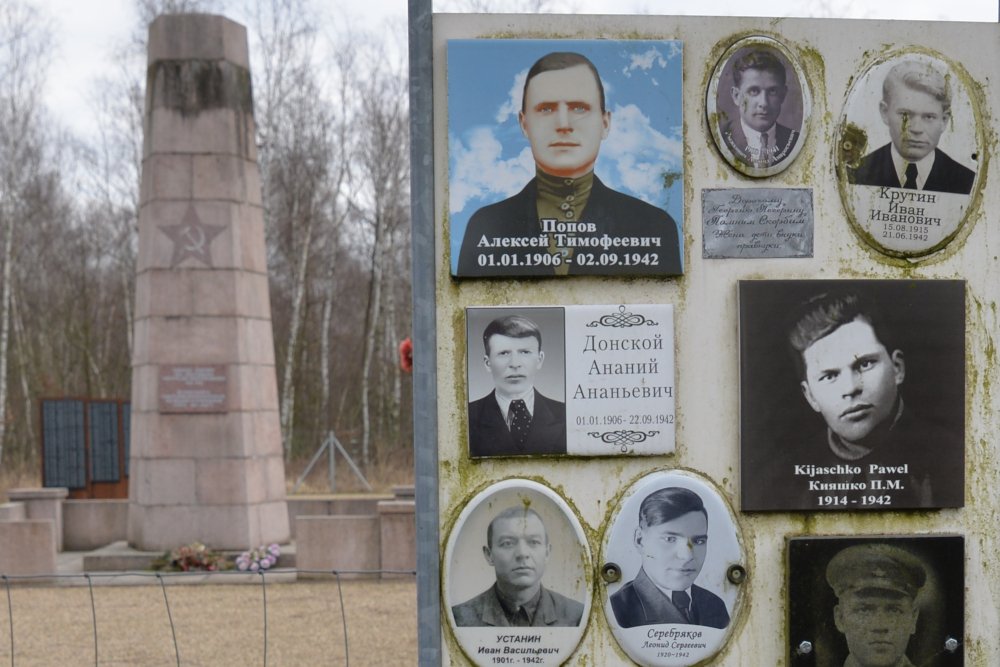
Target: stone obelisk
x=206, y=456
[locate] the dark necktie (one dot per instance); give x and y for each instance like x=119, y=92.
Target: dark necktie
x=682, y=601
x=520, y=421
x=911, y=176
x=521, y=619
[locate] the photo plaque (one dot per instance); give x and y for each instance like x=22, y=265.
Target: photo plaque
x=570, y=380
x=517, y=576
x=852, y=394
x=908, y=153
x=758, y=105
x=674, y=549
x=753, y=223
x=879, y=600
x=565, y=157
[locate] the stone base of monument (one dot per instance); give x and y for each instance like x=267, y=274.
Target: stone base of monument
x=27, y=547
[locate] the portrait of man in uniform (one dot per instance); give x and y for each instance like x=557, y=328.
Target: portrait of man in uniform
x=759, y=89
x=552, y=223
x=518, y=549
x=916, y=108
x=876, y=587
x=859, y=432
x=515, y=418
x=877, y=601
x=672, y=540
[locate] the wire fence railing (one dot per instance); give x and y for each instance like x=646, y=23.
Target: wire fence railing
x=274, y=617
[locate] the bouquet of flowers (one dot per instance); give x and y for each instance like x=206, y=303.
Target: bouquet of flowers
x=261, y=558
x=194, y=556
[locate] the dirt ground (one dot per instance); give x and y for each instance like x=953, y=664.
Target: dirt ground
x=215, y=624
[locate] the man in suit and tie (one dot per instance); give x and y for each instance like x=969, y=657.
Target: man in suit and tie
x=756, y=138
x=672, y=539
x=515, y=418
x=916, y=107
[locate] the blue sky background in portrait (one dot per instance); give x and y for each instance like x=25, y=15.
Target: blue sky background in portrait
x=489, y=158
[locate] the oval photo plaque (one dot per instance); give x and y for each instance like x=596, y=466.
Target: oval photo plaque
x=674, y=540
x=908, y=154
x=517, y=576
x=758, y=105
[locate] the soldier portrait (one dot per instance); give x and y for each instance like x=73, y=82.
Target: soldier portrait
x=882, y=601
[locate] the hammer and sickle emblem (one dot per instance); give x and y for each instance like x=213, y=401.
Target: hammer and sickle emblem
x=195, y=239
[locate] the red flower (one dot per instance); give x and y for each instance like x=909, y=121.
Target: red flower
x=406, y=355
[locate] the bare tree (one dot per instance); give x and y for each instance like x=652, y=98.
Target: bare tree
x=382, y=160
x=24, y=44
x=301, y=165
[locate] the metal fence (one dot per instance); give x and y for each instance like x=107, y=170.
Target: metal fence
x=274, y=617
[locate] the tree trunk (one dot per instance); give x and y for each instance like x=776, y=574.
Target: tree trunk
x=298, y=299
x=5, y=327
x=371, y=322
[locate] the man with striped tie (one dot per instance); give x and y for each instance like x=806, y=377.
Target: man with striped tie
x=515, y=418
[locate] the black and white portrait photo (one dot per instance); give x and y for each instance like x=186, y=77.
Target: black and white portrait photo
x=517, y=402
x=516, y=559
x=758, y=104
x=594, y=380
x=909, y=153
x=852, y=394
x=885, y=601
x=673, y=538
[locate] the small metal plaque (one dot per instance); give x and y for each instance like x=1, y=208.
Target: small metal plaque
x=878, y=600
x=757, y=223
x=186, y=388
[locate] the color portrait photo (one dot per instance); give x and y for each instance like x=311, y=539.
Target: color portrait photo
x=565, y=157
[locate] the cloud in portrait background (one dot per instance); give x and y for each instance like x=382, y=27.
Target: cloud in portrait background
x=489, y=158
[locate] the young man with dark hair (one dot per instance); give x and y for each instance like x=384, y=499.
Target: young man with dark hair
x=515, y=418
x=850, y=372
x=759, y=89
x=672, y=539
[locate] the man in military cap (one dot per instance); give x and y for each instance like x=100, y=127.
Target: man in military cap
x=876, y=587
